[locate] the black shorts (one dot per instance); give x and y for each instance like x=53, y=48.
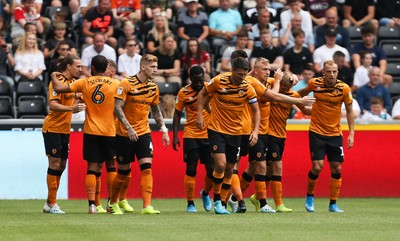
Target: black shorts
x=244, y=145
x=56, y=144
x=195, y=149
x=97, y=149
x=259, y=150
x=126, y=149
x=276, y=147
x=332, y=146
x=224, y=143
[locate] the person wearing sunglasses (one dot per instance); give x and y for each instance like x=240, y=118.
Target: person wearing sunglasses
x=129, y=62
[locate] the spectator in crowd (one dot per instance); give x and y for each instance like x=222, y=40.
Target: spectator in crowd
x=376, y=112
x=168, y=106
x=241, y=43
x=396, y=16
x=345, y=73
x=85, y=5
x=262, y=23
x=368, y=34
x=160, y=27
x=29, y=60
x=361, y=75
x=225, y=23
x=385, y=11
x=251, y=15
x=128, y=33
x=61, y=16
x=342, y=37
x=286, y=38
x=59, y=35
x=318, y=8
x=195, y=55
x=268, y=51
x=359, y=13
x=295, y=9
x=155, y=7
x=308, y=73
x=169, y=61
x=129, y=62
x=278, y=4
x=6, y=57
x=5, y=9
x=326, y=51
x=396, y=110
x=99, y=47
x=193, y=24
x=126, y=11
x=99, y=19
x=356, y=110
x=31, y=28
x=25, y=13
x=61, y=49
x=298, y=56
x=373, y=88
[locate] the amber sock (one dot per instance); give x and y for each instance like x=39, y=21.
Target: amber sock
x=91, y=186
x=111, y=174
x=124, y=188
x=53, y=177
x=117, y=184
x=245, y=181
x=311, y=183
x=335, y=185
x=208, y=184
x=98, y=189
x=276, y=186
x=189, y=183
x=218, y=178
x=235, y=187
x=146, y=183
x=226, y=186
x=260, y=186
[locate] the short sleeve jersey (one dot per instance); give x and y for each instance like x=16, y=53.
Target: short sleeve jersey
x=56, y=121
x=326, y=111
x=138, y=97
x=279, y=114
x=229, y=101
x=187, y=99
x=98, y=93
x=263, y=105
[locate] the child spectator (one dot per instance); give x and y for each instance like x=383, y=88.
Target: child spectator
x=377, y=112
x=361, y=75
x=51, y=45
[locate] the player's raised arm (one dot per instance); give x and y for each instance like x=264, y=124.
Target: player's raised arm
x=57, y=85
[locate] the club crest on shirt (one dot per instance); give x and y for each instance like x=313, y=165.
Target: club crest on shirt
x=336, y=92
x=120, y=89
x=54, y=93
x=241, y=92
x=215, y=147
x=54, y=151
x=274, y=155
x=121, y=159
x=258, y=154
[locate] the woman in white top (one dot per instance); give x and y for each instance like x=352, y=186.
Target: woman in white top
x=29, y=60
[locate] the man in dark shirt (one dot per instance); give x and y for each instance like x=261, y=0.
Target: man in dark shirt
x=268, y=51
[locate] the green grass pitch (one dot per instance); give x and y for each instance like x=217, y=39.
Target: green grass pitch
x=364, y=219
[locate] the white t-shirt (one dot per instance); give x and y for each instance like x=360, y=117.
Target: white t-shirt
x=85, y=3
x=368, y=116
x=356, y=109
x=29, y=62
x=89, y=52
x=396, y=108
x=129, y=65
x=361, y=76
x=324, y=53
x=306, y=22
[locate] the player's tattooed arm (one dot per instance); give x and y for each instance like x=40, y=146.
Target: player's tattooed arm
x=157, y=115
x=119, y=103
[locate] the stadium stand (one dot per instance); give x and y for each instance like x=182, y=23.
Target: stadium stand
x=168, y=88
x=32, y=107
x=6, y=108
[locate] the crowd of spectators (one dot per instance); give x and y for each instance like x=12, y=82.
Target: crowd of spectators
x=296, y=36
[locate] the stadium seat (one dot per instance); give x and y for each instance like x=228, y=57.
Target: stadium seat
x=168, y=88
x=6, y=107
x=32, y=107
x=50, y=11
x=354, y=33
x=5, y=89
x=30, y=88
x=388, y=33
x=392, y=50
x=394, y=89
x=394, y=99
x=393, y=68
x=9, y=79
